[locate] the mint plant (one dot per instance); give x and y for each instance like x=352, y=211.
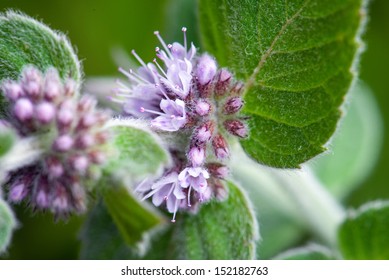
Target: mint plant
x=205, y=152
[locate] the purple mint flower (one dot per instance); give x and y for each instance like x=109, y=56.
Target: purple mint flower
x=206, y=69
x=167, y=190
x=173, y=116
x=196, y=178
x=152, y=87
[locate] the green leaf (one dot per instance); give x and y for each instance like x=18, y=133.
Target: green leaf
x=132, y=218
x=101, y=240
x=7, y=138
x=356, y=148
x=136, y=152
x=310, y=252
x=220, y=230
x=24, y=41
x=7, y=225
x=364, y=235
x=296, y=58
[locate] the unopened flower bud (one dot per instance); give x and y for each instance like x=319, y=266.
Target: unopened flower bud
x=60, y=203
x=17, y=192
x=196, y=156
x=206, y=69
x=70, y=87
x=204, y=132
x=233, y=105
x=223, y=82
x=85, y=141
x=12, y=90
x=44, y=112
x=63, y=143
x=218, y=170
x=236, y=127
x=97, y=157
x=42, y=194
x=32, y=82
x=80, y=164
x=237, y=88
x=203, y=108
x=220, y=147
x=65, y=117
x=55, y=167
x=24, y=109
x=221, y=193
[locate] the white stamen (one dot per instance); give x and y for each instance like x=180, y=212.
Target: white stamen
x=138, y=58
x=142, y=110
x=159, y=67
x=163, y=43
x=185, y=45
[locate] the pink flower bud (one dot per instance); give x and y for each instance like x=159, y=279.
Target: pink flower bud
x=32, y=78
x=97, y=157
x=237, y=88
x=85, y=141
x=196, y=156
x=220, y=147
x=236, y=127
x=233, y=105
x=218, y=170
x=203, y=108
x=223, y=82
x=23, y=109
x=204, y=132
x=12, y=90
x=55, y=167
x=17, y=192
x=206, y=69
x=63, y=143
x=45, y=112
x=80, y=164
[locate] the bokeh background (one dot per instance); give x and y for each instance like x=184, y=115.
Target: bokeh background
x=97, y=28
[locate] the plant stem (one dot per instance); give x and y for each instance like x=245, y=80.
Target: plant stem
x=295, y=192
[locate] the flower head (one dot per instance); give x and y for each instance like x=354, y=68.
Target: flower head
x=69, y=132
x=199, y=104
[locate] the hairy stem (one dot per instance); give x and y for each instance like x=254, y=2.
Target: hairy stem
x=297, y=193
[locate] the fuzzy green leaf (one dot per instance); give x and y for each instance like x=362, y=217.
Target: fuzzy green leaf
x=364, y=235
x=26, y=41
x=356, y=148
x=132, y=218
x=296, y=58
x=310, y=252
x=7, y=138
x=102, y=240
x=7, y=225
x=221, y=230
x=136, y=152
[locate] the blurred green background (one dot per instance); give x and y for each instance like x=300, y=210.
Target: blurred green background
x=97, y=27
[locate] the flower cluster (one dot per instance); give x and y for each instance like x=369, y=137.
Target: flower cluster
x=190, y=97
x=70, y=135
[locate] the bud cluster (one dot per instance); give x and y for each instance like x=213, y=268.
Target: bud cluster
x=69, y=132
x=191, y=97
